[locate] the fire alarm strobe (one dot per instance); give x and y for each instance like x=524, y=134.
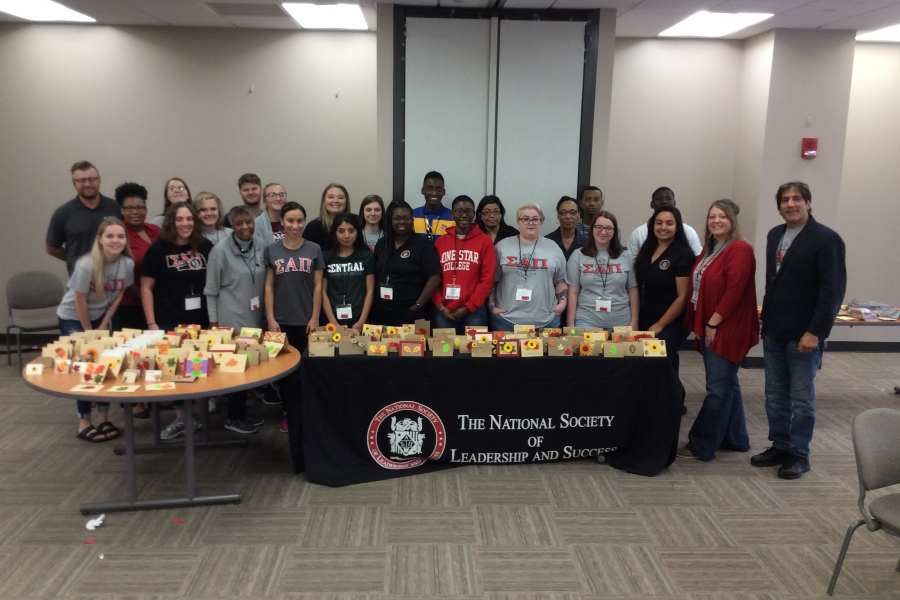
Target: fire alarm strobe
x=809, y=148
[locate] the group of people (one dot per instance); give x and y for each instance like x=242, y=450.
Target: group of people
x=266, y=264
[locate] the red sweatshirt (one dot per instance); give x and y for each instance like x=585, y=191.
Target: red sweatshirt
x=728, y=287
x=469, y=263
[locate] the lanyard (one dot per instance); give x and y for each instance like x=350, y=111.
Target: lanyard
x=604, y=275
x=248, y=261
x=526, y=266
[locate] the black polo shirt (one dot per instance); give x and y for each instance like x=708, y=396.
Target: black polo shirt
x=656, y=280
x=74, y=226
x=405, y=269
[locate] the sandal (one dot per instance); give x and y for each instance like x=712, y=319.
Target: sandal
x=109, y=430
x=91, y=434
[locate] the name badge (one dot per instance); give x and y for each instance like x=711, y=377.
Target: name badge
x=192, y=303
x=387, y=293
x=344, y=312
x=254, y=303
x=523, y=294
x=604, y=305
x=452, y=292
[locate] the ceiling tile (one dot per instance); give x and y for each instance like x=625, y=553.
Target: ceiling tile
x=620, y=5
x=529, y=4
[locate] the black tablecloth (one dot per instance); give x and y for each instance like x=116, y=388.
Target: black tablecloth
x=366, y=418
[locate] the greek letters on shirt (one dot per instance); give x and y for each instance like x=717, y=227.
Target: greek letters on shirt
x=601, y=269
x=293, y=265
x=540, y=264
x=186, y=261
x=459, y=260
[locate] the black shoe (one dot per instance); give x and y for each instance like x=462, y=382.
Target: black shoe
x=794, y=468
x=770, y=458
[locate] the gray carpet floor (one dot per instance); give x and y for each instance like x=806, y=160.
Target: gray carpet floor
x=562, y=531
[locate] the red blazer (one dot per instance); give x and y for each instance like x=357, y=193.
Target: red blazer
x=728, y=288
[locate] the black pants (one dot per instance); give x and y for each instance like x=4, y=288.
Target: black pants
x=129, y=316
x=291, y=396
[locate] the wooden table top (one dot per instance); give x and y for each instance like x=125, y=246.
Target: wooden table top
x=216, y=384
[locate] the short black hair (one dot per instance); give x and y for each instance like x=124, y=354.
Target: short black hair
x=129, y=189
x=661, y=190
x=462, y=198
x=350, y=219
x=289, y=206
x=590, y=188
x=801, y=187
x=238, y=211
x=565, y=199
x=433, y=175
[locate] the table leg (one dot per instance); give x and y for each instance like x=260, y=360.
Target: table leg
x=190, y=474
x=130, y=459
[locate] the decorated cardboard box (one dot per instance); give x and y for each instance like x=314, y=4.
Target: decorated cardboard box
x=590, y=348
x=91, y=352
x=484, y=349
x=559, y=347
x=529, y=329
x=412, y=349
x=274, y=341
x=113, y=359
x=251, y=332
x=423, y=327
x=613, y=350
x=508, y=349
x=94, y=373
x=236, y=363
x=532, y=348
x=373, y=332
x=320, y=349
x=462, y=344
x=654, y=347
x=377, y=348
x=443, y=346
x=335, y=338
x=351, y=346
x=443, y=331
x=595, y=335
x=550, y=332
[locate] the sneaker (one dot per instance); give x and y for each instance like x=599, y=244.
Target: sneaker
x=241, y=427
x=283, y=426
x=793, y=468
x=175, y=430
x=255, y=420
x=770, y=457
x=271, y=396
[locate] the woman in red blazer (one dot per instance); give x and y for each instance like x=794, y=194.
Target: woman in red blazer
x=722, y=314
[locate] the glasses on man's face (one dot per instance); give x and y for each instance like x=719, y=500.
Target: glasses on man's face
x=568, y=213
x=81, y=180
x=604, y=228
x=135, y=208
x=490, y=212
x=529, y=220
x=281, y=195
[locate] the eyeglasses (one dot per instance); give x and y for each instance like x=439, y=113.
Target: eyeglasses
x=604, y=228
x=281, y=195
x=86, y=180
x=530, y=220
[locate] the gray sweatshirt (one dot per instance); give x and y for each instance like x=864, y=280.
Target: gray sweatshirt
x=234, y=284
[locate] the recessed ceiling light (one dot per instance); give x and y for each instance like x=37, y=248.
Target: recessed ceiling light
x=885, y=34
x=714, y=24
x=43, y=10
x=326, y=16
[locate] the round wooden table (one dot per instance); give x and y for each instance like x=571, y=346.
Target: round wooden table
x=216, y=384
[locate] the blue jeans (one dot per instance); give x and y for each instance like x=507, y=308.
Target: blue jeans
x=479, y=317
x=721, y=422
x=68, y=327
x=498, y=323
x=790, y=395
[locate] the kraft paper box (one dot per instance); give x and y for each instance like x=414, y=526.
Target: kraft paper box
x=613, y=350
x=442, y=346
x=251, y=332
x=57, y=350
x=595, y=335
x=463, y=344
x=336, y=337
x=236, y=363
x=350, y=347
x=654, y=347
x=508, y=348
x=532, y=348
x=393, y=343
x=633, y=348
x=91, y=352
x=551, y=332
x=443, y=331
x=391, y=331
x=559, y=347
x=414, y=349
x=482, y=349
x=373, y=332
x=378, y=348
x=589, y=348
x=423, y=327
x=320, y=336
x=321, y=349
x=471, y=330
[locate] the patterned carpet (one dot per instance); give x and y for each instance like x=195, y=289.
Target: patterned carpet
x=563, y=531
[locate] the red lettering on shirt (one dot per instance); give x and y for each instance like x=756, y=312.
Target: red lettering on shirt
x=293, y=265
x=186, y=261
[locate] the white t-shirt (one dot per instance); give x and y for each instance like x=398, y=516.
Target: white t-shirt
x=639, y=236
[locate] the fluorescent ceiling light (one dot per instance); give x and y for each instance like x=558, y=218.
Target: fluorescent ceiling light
x=885, y=34
x=714, y=24
x=43, y=10
x=326, y=16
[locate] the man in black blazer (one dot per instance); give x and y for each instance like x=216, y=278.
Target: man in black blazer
x=806, y=277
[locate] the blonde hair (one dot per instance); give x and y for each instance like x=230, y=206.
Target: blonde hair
x=531, y=206
x=98, y=261
x=731, y=211
x=323, y=214
x=201, y=197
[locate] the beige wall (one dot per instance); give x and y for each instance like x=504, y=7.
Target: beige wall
x=147, y=103
x=675, y=107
